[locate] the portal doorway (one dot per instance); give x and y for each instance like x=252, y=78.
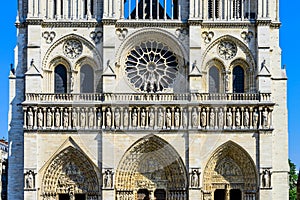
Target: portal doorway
x=219, y=194
x=160, y=194
x=235, y=194
x=143, y=194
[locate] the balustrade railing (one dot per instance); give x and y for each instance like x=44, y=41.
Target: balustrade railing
x=146, y=97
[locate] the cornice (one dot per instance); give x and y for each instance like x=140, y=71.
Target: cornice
x=58, y=23
x=221, y=24
x=149, y=23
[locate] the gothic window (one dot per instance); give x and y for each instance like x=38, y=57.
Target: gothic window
x=214, y=80
x=60, y=79
x=150, y=9
x=238, y=80
x=86, y=79
x=151, y=67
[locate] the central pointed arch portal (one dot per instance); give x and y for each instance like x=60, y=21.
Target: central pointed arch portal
x=151, y=169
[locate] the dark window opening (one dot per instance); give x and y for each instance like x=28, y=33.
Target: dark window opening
x=143, y=194
x=154, y=9
x=235, y=194
x=86, y=79
x=219, y=194
x=60, y=79
x=160, y=194
x=238, y=80
x=214, y=80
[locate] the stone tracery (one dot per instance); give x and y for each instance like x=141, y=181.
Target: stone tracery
x=151, y=66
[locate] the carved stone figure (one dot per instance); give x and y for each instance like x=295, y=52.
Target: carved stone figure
x=238, y=118
x=255, y=118
x=203, y=118
x=229, y=118
x=30, y=118
x=226, y=82
x=108, y=118
x=29, y=180
x=143, y=118
x=169, y=118
x=82, y=118
x=160, y=118
x=57, y=119
x=66, y=119
x=194, y=179
x=74, y=118
x=221, y=118
x=266, y=178
x=134, y=118
x=107, y=179
x=212, y=118
x=177, y=117
x=40, y=119
x=99, y=118
x=91, y=118
x=194, y=117
x=246, y=118
x=265, y=121
x=125, y=118
x=49, y=118
x=184, y=118
x=151, y=118
x=117, y=118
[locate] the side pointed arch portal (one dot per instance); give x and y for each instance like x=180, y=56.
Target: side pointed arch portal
x=151, y=169
x=230, y=174
x=70, y=175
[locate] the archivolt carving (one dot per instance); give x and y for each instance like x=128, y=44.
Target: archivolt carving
x=70, y=170
x=151, y=163
x=239, y=44
x=152, y=34
x=96, y=55
x=230, y=165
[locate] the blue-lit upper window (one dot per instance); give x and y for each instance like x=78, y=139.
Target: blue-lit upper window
x=151, y=9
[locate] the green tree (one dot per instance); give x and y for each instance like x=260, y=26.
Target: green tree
x=293, y=181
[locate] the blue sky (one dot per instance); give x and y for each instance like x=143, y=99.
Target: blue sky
x=289, y=43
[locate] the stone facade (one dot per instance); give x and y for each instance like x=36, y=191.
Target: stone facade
x=3, y=168
x=148, y=99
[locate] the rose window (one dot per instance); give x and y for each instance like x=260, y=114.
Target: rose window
x=72, y=48
x=227, y=50
x=151, y=67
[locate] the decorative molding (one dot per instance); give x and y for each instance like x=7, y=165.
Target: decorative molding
x=72, y=48
x=247, y=36
x=96, y=36
x=207, y=36
x=121, y=33
x=49, y=36
x=182, y=33
x=156, y=24
x=227, y=49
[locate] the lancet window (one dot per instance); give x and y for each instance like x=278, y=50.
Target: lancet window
x=86, y=79
x=238, y=80
x=60, y=79
x=150, y=9
x=214, y=80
